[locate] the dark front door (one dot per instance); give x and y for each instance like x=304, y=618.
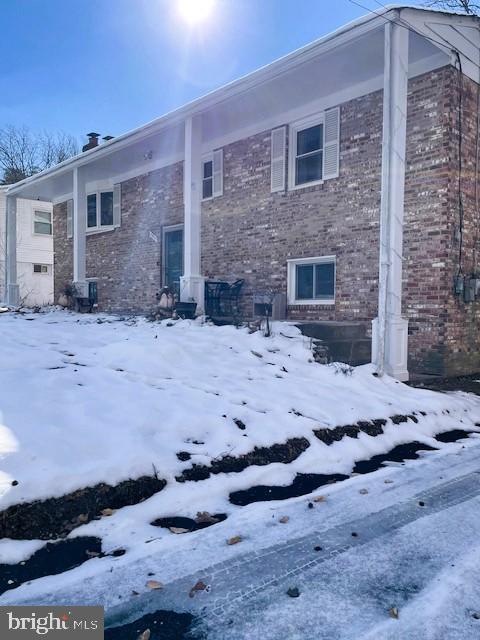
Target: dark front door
x=172, y=258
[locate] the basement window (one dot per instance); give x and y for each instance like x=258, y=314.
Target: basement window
x=42, y=223
x=311, y=280
x=40, y=268
x=99, y=210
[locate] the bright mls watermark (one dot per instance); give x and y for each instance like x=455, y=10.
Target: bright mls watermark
x=58, y=623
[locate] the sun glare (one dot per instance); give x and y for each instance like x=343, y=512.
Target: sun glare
x=195, y=11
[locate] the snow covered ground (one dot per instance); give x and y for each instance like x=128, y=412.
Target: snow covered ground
x=419, y=563
x=88, y=399
x=83, y=402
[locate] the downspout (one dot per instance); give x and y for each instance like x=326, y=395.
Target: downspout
x=4, y=257
x=12, y=289
x=384, y=259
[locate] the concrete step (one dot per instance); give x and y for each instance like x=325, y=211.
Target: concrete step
x=334, y=330
x=353, y=352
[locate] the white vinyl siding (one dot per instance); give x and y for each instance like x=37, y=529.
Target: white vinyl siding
x=277, y=162
x=32, y=248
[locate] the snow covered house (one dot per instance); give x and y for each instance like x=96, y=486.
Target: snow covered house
x=34, y=251
x=343, y=175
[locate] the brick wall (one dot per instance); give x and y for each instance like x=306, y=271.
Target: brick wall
x=444, y=330
x=63, y=251
x=462, y=320
x=426, y=235
x=127, y=261
x=250, y=233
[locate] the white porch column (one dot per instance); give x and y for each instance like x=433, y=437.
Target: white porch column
x=12, y=289
x=192, y=283
x=390, y=330
x=79, y=231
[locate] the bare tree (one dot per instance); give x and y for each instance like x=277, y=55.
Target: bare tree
x=56, y=148
x=471, y=7
x=23, y=152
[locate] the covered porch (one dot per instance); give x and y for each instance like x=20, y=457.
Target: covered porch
x=378, y=52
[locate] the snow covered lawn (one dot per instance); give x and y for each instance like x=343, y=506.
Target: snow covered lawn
x=83, y=402
x=88, y=399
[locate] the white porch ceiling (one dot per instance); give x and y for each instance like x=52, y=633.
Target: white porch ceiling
x=341, y=68
x=354, y=68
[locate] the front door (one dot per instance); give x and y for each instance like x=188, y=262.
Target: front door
x=172, y=262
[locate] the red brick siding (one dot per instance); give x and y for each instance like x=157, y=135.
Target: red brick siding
x=127, y=261
x=63, y=251
x=250, y=233
x=462, y=320
x=426, y=235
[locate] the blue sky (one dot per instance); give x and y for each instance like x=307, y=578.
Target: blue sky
x=112, y=65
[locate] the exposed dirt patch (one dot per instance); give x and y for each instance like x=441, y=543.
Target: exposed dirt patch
x=163, y=625
x=53, y=558
x=370, y=427
x=306, y=483
x=401, y=452
x=303, y=483
x=179, y=522
x=261, y=456
x=399, y=419
x=453, y=435
x=56, y=517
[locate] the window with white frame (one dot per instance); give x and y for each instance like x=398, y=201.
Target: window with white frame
x=308, y=154
x=212, y=174
x=40, y=268
x=311, y=280
x=99, y=210
x=207, y=178
x=42, y=223
x=315, y=149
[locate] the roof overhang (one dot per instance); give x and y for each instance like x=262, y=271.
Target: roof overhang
x=258, y=96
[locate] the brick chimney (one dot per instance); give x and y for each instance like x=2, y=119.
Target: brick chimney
x=92, y=141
